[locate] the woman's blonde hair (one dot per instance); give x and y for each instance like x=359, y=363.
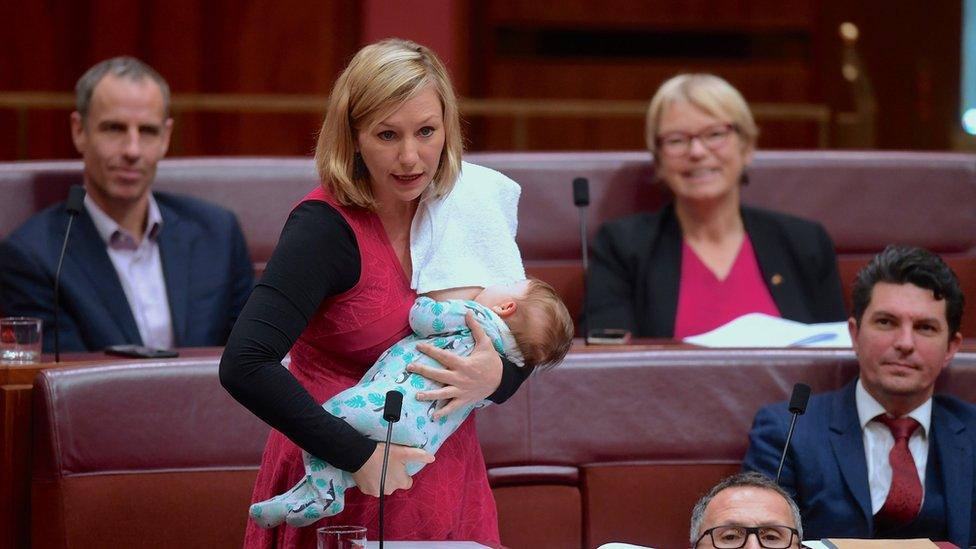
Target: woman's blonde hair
x=707, y=92
x=380, y=78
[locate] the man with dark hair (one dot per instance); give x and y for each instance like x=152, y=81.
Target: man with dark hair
x=746, y=510
x=141, y=268
x=884, y=457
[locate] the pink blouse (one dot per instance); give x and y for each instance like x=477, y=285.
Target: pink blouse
x=705, y=302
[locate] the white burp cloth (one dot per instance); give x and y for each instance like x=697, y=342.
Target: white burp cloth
x=467, y=238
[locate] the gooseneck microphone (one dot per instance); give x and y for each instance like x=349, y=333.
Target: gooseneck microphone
x=76, y=201
x=581, y=197
x=798, y=405
x=391, y=413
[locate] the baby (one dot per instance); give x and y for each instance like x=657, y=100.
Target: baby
x=526, y=321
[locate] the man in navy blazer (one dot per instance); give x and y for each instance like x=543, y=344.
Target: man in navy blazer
x=850, y=475
x=141, y=268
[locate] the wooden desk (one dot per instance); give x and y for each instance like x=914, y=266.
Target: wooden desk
x=16, y=387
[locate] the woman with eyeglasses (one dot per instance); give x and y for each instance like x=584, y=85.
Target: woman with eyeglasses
x=705, y=258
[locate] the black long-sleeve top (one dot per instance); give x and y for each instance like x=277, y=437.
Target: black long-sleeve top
x=317, y=257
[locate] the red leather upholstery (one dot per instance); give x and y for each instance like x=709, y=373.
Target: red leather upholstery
x=649, y=432
x=866, y=200
x=141, y=455
x=611, y=445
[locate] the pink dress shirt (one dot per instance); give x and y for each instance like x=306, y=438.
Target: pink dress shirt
x=140, y=271
x=705, y=302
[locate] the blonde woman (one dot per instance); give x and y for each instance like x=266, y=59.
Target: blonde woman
x=337, y=293
x=706, y=259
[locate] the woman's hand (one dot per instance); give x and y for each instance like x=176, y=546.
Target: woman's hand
x=368, y=476
x=465, y=379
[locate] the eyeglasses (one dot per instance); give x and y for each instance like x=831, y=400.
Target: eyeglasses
x=734, y=537
x=679, y=143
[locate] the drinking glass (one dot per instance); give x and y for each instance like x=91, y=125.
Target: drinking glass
x=341, y=537
x=20, y=339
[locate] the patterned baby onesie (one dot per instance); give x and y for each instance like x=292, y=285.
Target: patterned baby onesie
x=438, y=323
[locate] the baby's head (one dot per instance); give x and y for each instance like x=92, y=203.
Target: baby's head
x=537, y=318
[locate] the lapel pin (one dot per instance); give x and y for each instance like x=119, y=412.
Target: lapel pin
x=776, y=279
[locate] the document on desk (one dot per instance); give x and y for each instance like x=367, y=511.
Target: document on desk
x=427, y=545
x=761, y=330
x=879, y=544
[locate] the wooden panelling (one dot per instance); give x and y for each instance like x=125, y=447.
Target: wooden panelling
x=660, y=13
x=774, y=51
x=15, y=440
x=223, y=46
x=564, y=79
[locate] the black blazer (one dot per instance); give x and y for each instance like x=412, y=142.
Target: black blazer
x=206, y=266
x=634, y=275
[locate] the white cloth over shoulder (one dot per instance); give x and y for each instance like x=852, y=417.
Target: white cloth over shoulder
x=467, y=238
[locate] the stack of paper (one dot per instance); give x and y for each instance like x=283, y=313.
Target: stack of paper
x=760, y=330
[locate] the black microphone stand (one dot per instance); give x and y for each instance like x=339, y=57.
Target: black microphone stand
x=391, y=413
x=76, y=197
x=798, y=405
x=581, y=197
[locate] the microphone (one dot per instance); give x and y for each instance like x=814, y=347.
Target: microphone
x=798, y=405
x=581, y=197
x=76, y=200
x=391, y=413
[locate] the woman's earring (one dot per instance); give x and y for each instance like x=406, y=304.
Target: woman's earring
x=744, y=179
x=359, y=170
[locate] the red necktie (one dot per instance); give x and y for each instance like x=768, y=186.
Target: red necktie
x=905, y=495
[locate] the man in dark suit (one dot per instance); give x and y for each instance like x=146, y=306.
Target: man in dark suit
x=883, y=457
x=141, y=267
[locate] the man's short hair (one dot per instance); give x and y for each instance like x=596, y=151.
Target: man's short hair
x=122, y=67
x=910, y=265
x=741, y=480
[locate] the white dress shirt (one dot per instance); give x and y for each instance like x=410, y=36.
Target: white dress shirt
x=878, y=442
x=140, y=271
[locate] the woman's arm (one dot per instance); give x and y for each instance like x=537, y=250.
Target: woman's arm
x=611, y=279
x=829, y=299
x=316, y=257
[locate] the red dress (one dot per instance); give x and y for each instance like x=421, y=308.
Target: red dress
x=450, y=498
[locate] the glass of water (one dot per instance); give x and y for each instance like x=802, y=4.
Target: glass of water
x=20, y=339
x=341, y=537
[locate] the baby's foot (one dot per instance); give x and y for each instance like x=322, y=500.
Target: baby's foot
x=272, y=512
x=268, y=513
x=323, y=504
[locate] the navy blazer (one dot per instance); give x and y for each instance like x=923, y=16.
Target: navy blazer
x=636, y=270
x=827, y=471
x=206, y=266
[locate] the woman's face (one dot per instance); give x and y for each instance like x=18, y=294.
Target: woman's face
x=711, y=164
x=402, y=151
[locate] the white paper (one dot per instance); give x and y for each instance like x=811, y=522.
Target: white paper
x=761, y=330
x=427, y=544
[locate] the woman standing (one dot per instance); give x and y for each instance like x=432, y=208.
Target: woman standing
x=336, y=293
x=705, y=259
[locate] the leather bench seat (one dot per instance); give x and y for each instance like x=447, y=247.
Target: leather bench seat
x=611, y=445
x=865, y=199
x=140, y=454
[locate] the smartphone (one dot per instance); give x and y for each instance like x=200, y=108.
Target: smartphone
x=138, y=351
x=608, y=336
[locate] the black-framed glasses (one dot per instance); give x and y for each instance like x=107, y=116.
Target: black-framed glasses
x=679, y=143
x=734, y=537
